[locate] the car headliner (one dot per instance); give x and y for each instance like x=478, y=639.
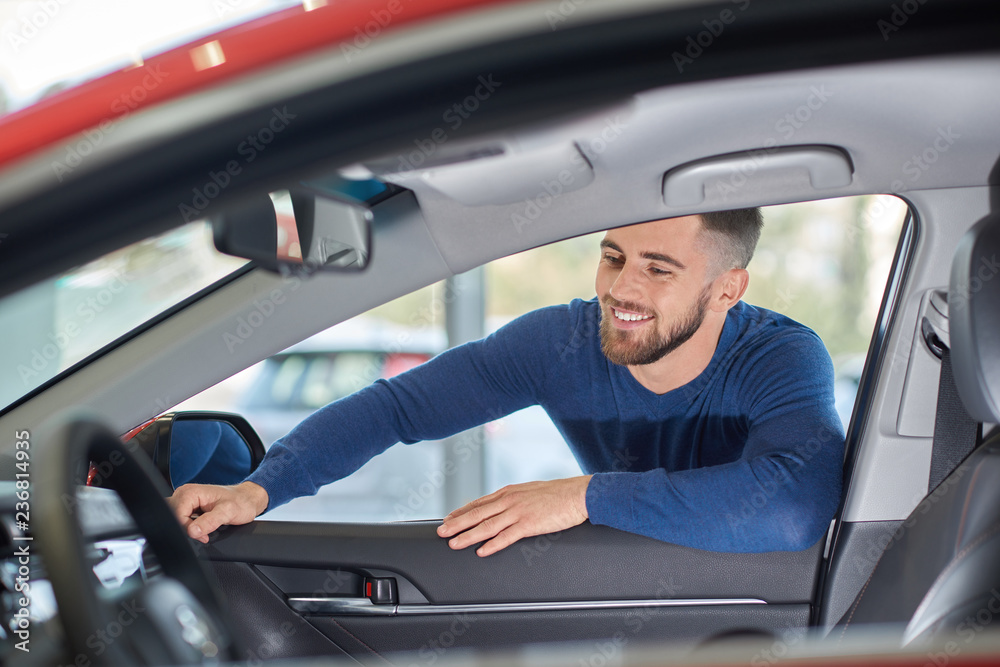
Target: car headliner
x=557, y=57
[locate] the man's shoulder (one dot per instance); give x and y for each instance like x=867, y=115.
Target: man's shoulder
x=766, y=336
x=756, y=325
x=779, y=365
x=771, y=345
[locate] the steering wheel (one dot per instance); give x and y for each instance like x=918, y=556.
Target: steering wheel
x=175, y=618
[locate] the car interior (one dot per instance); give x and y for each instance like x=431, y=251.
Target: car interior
x=578, y=129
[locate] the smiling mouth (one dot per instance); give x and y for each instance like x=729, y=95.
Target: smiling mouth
x=629, y=317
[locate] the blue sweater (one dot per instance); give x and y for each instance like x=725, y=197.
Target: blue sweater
x=746, y=457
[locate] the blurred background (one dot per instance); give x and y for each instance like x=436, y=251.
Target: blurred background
x=822, y=263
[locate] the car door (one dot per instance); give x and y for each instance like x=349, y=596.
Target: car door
x=373, y=589
x=369, y=590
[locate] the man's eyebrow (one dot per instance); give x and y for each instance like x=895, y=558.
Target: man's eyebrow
x=655, y=256
x=666, y=259
x=611, y=244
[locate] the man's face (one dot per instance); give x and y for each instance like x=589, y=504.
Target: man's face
x=654, y=289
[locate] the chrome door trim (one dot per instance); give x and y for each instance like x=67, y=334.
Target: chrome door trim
x=364, y=606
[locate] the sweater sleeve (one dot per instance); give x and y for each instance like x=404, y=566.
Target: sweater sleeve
x=778, y=496
x=460, y=388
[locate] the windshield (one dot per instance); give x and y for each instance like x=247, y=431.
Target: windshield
x=53, y=325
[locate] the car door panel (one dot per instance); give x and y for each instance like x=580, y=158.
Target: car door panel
x=434, y=634
x=534, y=591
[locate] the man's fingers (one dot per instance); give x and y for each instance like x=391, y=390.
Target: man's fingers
x=200, y=528
x=516, y=512
x=184, y=502
x=478, y=502
x=483, y=530
x=202, y=508
x=504, y=539
x=459, y=522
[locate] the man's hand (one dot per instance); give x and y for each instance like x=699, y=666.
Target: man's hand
x=218, y=505
x=515, y=512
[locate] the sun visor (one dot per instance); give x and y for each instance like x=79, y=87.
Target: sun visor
x=504, y=178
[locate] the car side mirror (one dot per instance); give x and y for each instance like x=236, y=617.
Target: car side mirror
x=297, y=230
x=201, y=447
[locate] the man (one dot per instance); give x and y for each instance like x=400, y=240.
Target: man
x=725, y=412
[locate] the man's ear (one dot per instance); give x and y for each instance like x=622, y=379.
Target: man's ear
x=730, y=287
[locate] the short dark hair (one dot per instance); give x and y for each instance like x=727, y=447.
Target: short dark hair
x=737, y=232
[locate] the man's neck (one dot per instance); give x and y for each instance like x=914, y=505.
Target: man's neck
x=686, y=362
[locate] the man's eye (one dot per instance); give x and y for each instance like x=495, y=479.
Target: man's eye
x=612, y=259
x=659, y=272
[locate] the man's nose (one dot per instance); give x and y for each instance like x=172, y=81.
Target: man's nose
x=625, y=287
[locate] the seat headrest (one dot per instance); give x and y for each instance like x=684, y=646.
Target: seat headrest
x=974, y=319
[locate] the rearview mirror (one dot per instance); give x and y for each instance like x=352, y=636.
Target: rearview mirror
x=298, y=230
x=201, y=447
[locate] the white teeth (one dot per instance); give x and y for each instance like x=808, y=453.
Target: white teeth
x=628, y=317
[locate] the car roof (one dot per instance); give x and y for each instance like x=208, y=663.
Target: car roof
x=228, y=54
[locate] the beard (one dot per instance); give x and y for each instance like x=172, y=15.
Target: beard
x=642, y=347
